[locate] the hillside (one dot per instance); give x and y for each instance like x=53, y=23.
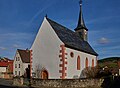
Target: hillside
x=111, y=62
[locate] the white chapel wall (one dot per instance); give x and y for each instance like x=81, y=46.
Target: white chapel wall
x=72, y=62
x=46, y=51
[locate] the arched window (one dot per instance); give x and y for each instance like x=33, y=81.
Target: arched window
x=72, y=54
x=92, y=62
x=78, y=63
x=86, y=63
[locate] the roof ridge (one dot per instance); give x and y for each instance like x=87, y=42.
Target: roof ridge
x=21, y=49
x=63, y=26
x=57, y=23
x=70, y=38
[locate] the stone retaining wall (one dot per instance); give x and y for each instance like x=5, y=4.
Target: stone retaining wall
x=18, y=81
x=68, y=83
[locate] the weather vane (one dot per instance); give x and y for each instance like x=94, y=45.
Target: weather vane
x=80, y=2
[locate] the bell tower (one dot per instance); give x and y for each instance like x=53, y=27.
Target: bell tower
x=81, y=29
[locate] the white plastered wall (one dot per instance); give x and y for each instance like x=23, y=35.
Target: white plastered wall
x=46, y=50
x=17, y=62
x=3, y=69
x=72, y=63
x=25, y=65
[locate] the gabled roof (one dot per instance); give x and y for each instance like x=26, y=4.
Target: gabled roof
x=71, y=39
x=25, y=55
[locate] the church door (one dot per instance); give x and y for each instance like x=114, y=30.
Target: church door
x=44, y=74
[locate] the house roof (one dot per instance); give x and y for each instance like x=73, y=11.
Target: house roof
x=5, y=60
x=25, y=55
x=71, y=39
x=3, y=64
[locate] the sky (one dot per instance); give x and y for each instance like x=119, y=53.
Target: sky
x=21, y=19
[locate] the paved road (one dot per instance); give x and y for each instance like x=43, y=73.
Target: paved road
x=8, y=84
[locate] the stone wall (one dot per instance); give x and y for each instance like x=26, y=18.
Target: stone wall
x=59, y=83
x=68, y=83
x=6, y=75
x=18, y=81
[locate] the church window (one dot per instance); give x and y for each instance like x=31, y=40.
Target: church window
x=78, y=63
x=72, y=54
x=19, y=65
x=86, y=63
x=92, y=62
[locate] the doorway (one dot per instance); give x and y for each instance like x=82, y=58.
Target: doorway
x=44, y=74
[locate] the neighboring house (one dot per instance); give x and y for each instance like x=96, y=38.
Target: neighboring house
x=60, y=53
x=21, y=62
x=6, y=68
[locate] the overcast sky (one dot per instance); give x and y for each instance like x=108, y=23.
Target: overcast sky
x=21, y=19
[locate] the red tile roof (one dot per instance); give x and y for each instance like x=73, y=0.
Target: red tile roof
x=25, y=55
x=3, y=64
x=8, y=64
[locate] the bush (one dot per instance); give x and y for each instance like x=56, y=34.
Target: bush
x=90, y=72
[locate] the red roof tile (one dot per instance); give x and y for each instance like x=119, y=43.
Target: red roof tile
x=25, y=55
x=8, y=64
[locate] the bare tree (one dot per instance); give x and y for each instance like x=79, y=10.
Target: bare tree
x=38, y=70
x=89, y=72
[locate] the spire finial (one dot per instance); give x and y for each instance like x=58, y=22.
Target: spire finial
x=80, y=2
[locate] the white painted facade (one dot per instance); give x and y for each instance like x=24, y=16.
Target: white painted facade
x=46, y=51
x=18, y=65
x=72, y=63
x=25, y=65
x=3, y=69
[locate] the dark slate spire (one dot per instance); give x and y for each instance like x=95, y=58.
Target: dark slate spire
x=81, y=24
